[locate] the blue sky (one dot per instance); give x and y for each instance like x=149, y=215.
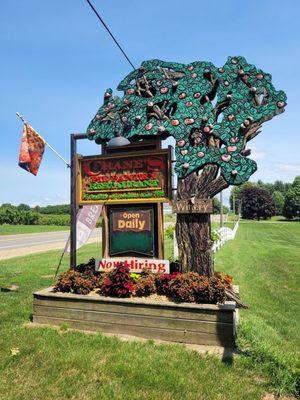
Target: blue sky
x=57, y=61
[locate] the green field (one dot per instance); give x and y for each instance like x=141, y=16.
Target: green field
x=17, y=229
x=62, y=364
x=264, y=260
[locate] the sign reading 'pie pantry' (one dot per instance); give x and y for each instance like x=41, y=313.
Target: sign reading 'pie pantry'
x=140, y=177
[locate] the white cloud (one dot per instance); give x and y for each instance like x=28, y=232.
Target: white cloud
x=257, y=154
x=289, y=167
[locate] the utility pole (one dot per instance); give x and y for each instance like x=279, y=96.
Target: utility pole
x=240, y=209
x=233, y=205
x=221, y=209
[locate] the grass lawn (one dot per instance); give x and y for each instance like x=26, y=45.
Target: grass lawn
x=264, y=260
x=17, y=229
x=62, y=364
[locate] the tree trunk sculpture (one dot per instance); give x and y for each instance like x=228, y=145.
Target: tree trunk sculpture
x=212, y=113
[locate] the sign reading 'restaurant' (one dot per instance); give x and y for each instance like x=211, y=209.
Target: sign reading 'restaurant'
x=125, y=178
x=134, y=264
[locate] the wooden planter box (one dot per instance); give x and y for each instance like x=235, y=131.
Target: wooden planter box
x=205, y=324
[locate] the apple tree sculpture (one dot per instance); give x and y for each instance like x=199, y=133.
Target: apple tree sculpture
x=212, y=113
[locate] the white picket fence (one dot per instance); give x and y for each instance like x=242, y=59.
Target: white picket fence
x=224, y=233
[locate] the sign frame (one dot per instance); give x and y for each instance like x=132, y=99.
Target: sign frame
x=152, y=231
x=116, y=156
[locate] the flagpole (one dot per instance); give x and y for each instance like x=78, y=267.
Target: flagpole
x=54, y=151
x=50, y=147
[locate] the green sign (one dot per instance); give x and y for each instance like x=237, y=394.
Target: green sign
x=131, y=230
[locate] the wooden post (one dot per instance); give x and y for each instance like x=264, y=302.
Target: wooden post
x=105, y=232
x=160, y=230
x=73, y=202
x=73, y=195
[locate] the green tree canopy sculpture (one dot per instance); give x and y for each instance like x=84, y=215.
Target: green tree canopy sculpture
x=212, y=113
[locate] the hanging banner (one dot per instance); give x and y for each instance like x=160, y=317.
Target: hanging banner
x=125, y=178
x=87, y=218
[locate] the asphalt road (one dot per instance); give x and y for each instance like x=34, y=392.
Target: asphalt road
x=18, y=245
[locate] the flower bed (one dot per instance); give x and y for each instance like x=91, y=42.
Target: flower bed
x=167, y=307
x=178, y=287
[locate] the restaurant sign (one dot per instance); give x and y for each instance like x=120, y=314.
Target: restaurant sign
x=125, y=178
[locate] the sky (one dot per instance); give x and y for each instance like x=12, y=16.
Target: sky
x=57, y=61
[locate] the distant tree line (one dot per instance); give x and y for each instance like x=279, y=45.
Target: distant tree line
x=23, y=214
x=263, y=200
x=217, y=207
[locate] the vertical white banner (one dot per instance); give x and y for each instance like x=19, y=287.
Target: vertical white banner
x=87, y=218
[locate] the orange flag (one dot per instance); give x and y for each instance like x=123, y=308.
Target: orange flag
x=32, y=150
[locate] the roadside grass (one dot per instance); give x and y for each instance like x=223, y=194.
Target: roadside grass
x=264, y=260
x=64, y=364
x=18, y=229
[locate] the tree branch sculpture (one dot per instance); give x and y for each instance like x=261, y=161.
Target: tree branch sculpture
x=212, y=113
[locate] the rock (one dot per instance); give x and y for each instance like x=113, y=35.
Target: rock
x=10, y=288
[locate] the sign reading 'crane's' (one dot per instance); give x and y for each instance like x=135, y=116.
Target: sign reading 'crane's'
x=121, y=178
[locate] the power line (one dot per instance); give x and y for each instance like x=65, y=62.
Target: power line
x=110, y=33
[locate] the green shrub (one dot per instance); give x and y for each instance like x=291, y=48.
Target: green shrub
x=214, y=235
x=58, y=220
x=13, y=216
x=169, y=232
